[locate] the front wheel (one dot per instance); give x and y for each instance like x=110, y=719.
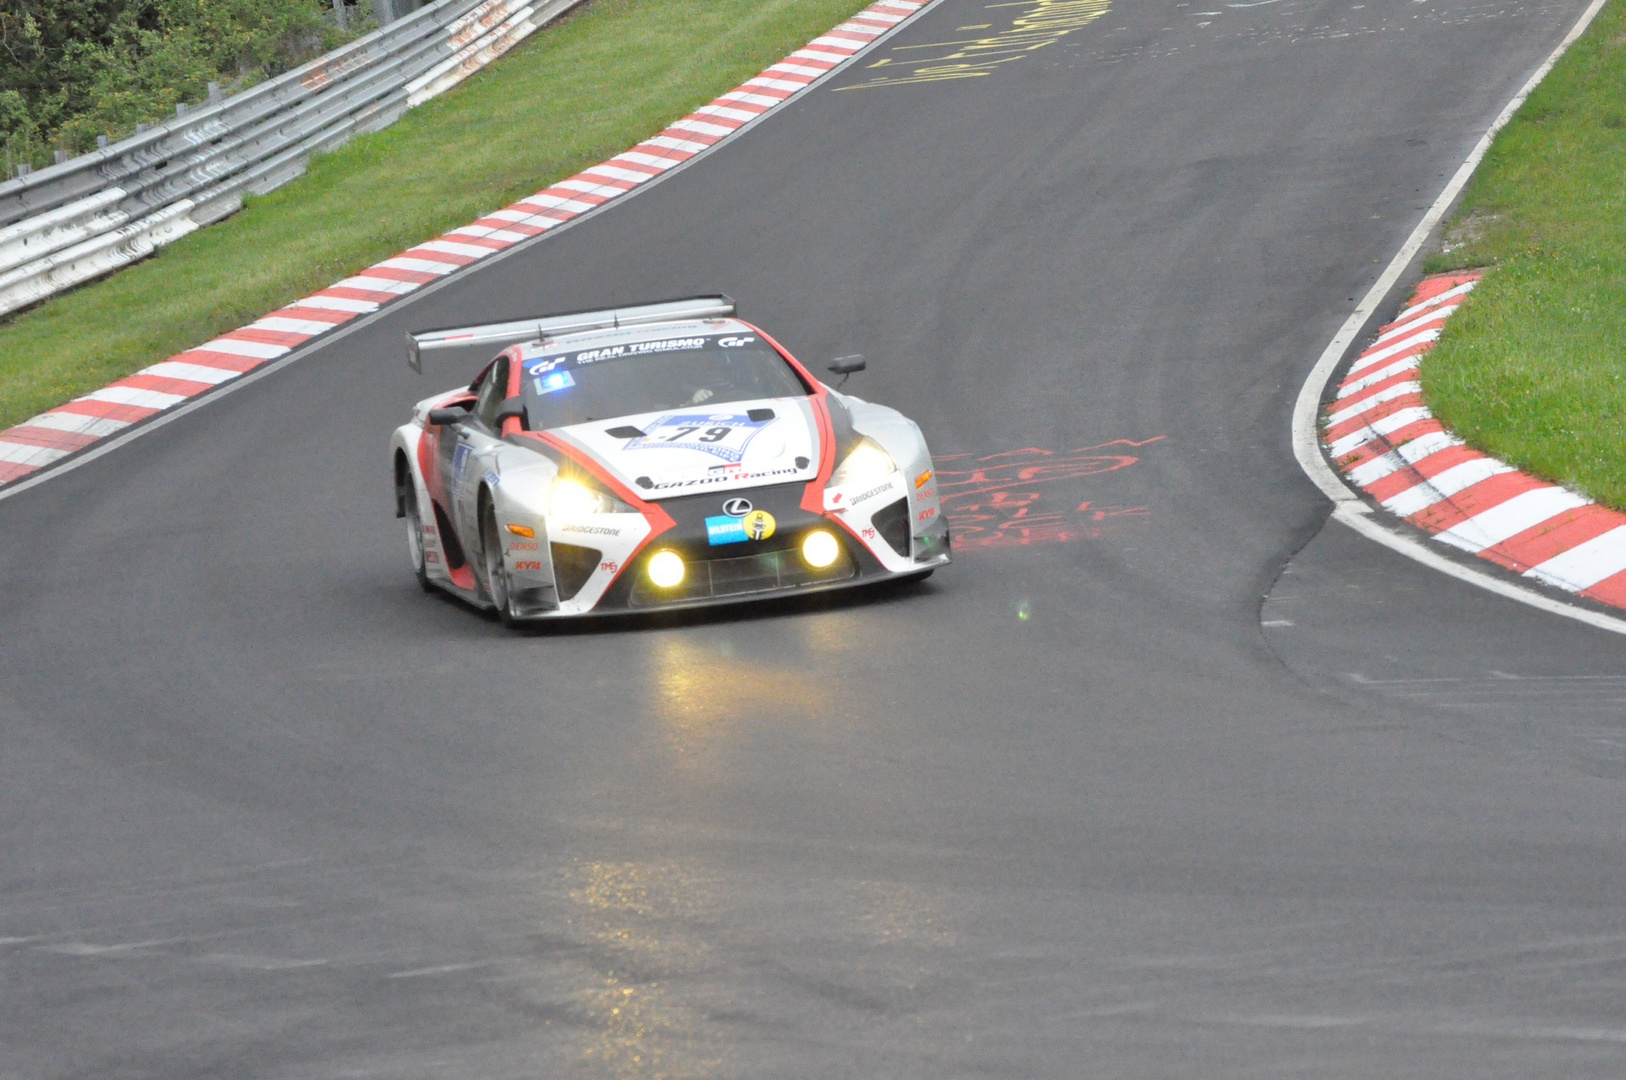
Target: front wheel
x=498, y=587
x=414, y=527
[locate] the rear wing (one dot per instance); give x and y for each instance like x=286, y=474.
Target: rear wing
x=546, y=326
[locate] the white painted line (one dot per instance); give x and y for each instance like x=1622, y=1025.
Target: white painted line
x=1446, y=484
x=1408, y=364
x=28, y=454
x=283, y=325
x=654, y=161
x=558, y=202
x=1426, y=445
x=451, y=247
x=786, y=68
x=77, y=423
x=1448, y=295
x=1377, y=356
x=1584, y=565
x=376, y=284
x=751, y=99
x=259, y=350
x=176, y=369
x=1382, y=397
x=129, y=395
x=742, y=115
x=1511, y=518
x=339, y=303
x=776, y=84
x=1377, y=428
x=700, y=126
x=1306, y=440
x=631, y=176
x=422, y=266
x=668, y=143
x=1400, y=329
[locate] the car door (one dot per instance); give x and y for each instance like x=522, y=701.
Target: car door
x=473, y=452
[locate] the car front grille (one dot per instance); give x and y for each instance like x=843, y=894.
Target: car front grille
x=768, y=571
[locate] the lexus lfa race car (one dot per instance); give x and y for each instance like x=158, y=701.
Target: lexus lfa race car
x=660, y=456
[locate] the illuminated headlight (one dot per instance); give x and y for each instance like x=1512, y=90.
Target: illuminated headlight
x=820, y=549
x=571, y=498
x=666, y=569
x=866, y=464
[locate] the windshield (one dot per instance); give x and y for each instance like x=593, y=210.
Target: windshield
x=583, y=385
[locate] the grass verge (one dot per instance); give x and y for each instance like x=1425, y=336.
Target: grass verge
x=1533, y=370
x=572, y=95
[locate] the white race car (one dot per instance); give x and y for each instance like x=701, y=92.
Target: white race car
x=658, y=456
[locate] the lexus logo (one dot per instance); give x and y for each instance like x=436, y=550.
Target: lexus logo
x=737, y=507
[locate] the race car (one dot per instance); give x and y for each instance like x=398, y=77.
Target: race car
x=665, y=455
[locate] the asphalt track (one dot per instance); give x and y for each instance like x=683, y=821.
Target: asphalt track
x=1065, y=810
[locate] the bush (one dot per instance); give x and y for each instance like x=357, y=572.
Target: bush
x=71, y=70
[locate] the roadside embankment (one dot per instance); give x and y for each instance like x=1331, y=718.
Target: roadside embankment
x=1533, y=370
x=570, y=97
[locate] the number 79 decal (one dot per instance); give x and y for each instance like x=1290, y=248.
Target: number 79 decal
x=722, y=435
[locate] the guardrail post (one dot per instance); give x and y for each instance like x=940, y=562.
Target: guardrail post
x=338, y=9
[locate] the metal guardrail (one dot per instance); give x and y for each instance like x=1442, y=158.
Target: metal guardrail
x=69, y=223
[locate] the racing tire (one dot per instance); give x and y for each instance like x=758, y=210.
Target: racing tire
x=498, y=586
x=414, y=525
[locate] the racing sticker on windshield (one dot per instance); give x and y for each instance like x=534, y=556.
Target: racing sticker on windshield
x=545, y=380
x=722, y=435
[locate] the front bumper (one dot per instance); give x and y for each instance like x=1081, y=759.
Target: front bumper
x=745, y=570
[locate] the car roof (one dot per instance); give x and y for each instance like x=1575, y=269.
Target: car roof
x=624, y=335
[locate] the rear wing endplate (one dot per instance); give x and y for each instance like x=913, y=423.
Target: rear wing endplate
x=546, y=326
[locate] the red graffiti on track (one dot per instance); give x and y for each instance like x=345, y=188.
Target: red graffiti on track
x=991, y=502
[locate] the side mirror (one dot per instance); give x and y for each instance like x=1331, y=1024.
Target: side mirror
x=447, y=417
x=511, y=408
x=845, y=366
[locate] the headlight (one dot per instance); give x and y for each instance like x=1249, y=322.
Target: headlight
x=570, y=498
x=820, y=549
x=867, y=463
x=666, y=569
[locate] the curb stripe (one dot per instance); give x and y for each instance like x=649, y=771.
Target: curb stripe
x=1385, y=440
x=45, y=439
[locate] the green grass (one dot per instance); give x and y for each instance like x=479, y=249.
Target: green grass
x=1533, y=368
x=571, y=96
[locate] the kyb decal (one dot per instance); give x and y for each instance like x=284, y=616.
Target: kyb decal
x=1010, y=499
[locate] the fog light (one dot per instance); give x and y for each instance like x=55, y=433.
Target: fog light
x=666, y=569
x=820, y=549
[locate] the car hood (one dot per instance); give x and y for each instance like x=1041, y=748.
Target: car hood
x=742, y=444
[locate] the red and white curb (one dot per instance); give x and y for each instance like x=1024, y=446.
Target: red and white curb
x=83, y=422
x=1383, y=438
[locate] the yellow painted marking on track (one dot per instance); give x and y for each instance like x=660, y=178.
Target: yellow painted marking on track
x=1040, y=23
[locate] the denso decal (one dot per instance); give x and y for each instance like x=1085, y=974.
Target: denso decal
x=719, y=434
x=521, y=545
